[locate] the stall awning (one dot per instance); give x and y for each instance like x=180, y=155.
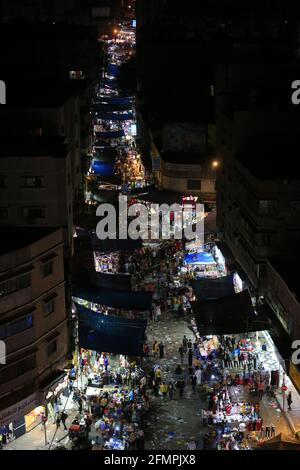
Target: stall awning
x=102, y=168
x=199, y=258
x=117, y=100
x=114, y=116
x=119, y=282
x=144, y=190
x=110, y=108
x=161, y=197
x=130, y=300
x=113, y=70
x=108, y=154
x=105, y=333
x=110, y=179
x=110, y=134
x=227, y=315
x=213, y=288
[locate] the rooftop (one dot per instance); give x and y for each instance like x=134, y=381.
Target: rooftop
x=16, y=238
x=34, y=146
x=39, y=93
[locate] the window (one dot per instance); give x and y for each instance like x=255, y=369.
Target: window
x=295, y=206
x=17, y=369
x=75, y=74
x=194, y=184
x=15, y=327
x=49, y=305
x=3, y=182
x=52, y=348
x=212, y=90
x=15, y=284
x=34, y=212
x=264, y=239
x=267, y=207
x=3, y=212
x=33, y=181
x=48, y=268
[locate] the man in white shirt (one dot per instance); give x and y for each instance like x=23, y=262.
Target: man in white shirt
x=198, y=374
x=242, y=428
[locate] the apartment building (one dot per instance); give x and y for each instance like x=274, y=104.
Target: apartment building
x=33, y=322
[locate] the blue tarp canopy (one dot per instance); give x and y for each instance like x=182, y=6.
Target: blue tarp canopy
x=106, y=281
x=213, y=288
x=110, y=134
x=113, y=70
x=199, y=258
x=102, y=168
x=108, y=154
x=227, y=315
x=103, y=144
x=117, y=100
x=115, y=116
x=105, y=333
x=110, y=83
x=109, y=108
x=130, y=300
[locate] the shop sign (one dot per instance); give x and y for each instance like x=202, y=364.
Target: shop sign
x=58, y=389
x=19, y=409
x=189, y=199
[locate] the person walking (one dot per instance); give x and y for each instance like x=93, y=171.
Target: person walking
x=180, y=386
x=194, y=382
x=63, y=419
x=273, y=430
x=158, y=375
x=181, y=352
x=184, y=344
x=157, y=312
x=171, y=391
x=58, y=421
x=155, y=388
x=261, y=389
x=191, y=445
x=80, y=404
x=155, y=349
x=289, y=400
x=161, y=350
x=164, y=389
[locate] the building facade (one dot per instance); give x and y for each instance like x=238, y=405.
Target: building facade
x=33, y=321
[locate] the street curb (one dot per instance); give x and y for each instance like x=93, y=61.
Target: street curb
x=286, y=415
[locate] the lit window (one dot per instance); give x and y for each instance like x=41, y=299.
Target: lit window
x=33, y=181
x=49, y=306
x=3, y=212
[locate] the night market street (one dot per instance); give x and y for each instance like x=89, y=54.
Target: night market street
x=149, y=294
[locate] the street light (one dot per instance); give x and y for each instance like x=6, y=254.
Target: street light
x=215, y=164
